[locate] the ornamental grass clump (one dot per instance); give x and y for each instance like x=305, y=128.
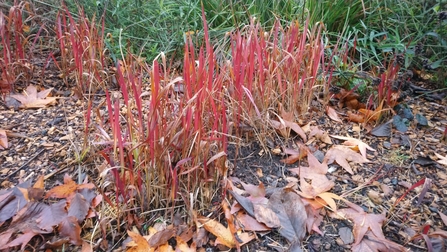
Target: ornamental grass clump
x=17, y=44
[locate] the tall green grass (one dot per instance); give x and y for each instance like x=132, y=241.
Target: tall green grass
x=157, y=26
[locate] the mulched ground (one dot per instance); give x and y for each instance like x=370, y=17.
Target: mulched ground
x=49, y=142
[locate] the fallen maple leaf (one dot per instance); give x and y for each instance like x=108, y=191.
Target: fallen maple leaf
x=295, y=155
x=370, y=243
x=3, y=140
x=68, y=189
x=139, y=244
x=33, y=99
x=354, y=142
x=442, y=160
x=368, y=234
x=218, y=230
x=320, y=134
x=316, y=175
x=342, y=155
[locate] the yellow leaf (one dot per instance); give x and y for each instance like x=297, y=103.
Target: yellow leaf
x=222, y=233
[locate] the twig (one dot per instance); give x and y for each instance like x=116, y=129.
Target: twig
x=26, y=163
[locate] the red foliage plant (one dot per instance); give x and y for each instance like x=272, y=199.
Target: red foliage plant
x=168, y=136
x=14, y=30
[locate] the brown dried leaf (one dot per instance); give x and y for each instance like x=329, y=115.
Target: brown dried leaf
x=22, y=239
x=78, y=207
x=3, y=140
x=224, y=234
x=364, y=222
x=315, y=174
x=291, y=213
x=329, y=199
x=332, y=114
x=352, y=142
x=443, y=218
x=12, y=201
x=319, y=134
x=267, y=216
x=342, y=155
x=200, y=238
x=370, y=243
x=161, y=237
x=355, y=117
x=183, y=246
x=314, y=218
x=63, y=191
x=69, y=227
x=285, y=124
x=249, y=223
x=39, y=183
x=295, y=155
x=86, y=247
x=442, y=160
x=33, y=99
x=140, y=243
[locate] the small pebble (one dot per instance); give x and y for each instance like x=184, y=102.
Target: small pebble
x=394, y=181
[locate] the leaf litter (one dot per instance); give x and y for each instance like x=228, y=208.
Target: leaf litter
x=33, y=99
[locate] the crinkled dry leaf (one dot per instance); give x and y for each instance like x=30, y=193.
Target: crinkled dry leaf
x=315, y=174
x=319, y=134
x=290, y=210
x=249, y=223
x=224, y=234
x=443, y=218
x=365, y=222
x=343, y=155
x=352, y=142
x=314, y=218
x=442, y=160
x=370, y=243
x=284, y=127
x=161, y=237
x=68, y=189
x=3, y=140
x=295, y=155
x=353, y=117
x=33, y=99
x=139, y=244
x=69, y=227
x=265, y=215
x=78, y=207
x=63, y=191
x=183, y=246
x=332, y=114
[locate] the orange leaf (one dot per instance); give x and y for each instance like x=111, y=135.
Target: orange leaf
x=63, y=191
x=3, y=140
x=140, y=243
x=355, y=117
x=39, y=183
x=370, y=114
x=224, y=234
